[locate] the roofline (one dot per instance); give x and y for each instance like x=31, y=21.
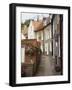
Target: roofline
x=43, y=27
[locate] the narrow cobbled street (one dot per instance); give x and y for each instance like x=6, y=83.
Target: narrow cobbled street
x=42, y=40
x=46, y=67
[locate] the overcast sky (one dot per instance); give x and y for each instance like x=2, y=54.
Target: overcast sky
x=26, y=16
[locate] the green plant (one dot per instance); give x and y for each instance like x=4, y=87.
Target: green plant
x=31, y=49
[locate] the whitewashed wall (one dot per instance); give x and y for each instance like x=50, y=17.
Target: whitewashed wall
x=23, y=55
x=31, y=33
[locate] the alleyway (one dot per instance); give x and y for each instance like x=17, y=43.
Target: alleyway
x=46, y=67
x=41, y=38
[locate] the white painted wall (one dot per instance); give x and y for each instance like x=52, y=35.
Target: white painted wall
x=41, y=35
x=37, y=37
x=31, y=33
x=46, y=48
x=46, y=33
x=50, y=46
x=22, y=36
x=41, y=47
x=22, y=54
x=47, y=39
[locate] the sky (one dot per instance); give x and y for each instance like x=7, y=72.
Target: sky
x=26, y=16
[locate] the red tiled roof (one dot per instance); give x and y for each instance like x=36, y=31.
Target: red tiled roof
x=38, y=25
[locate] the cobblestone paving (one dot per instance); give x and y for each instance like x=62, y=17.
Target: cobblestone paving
x=46, y=67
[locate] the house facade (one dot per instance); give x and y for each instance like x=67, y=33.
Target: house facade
x=48, y=40
x=56, y=35
x=45, y=31
x=40, y=30
x=57, y=27
x=43, y=35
